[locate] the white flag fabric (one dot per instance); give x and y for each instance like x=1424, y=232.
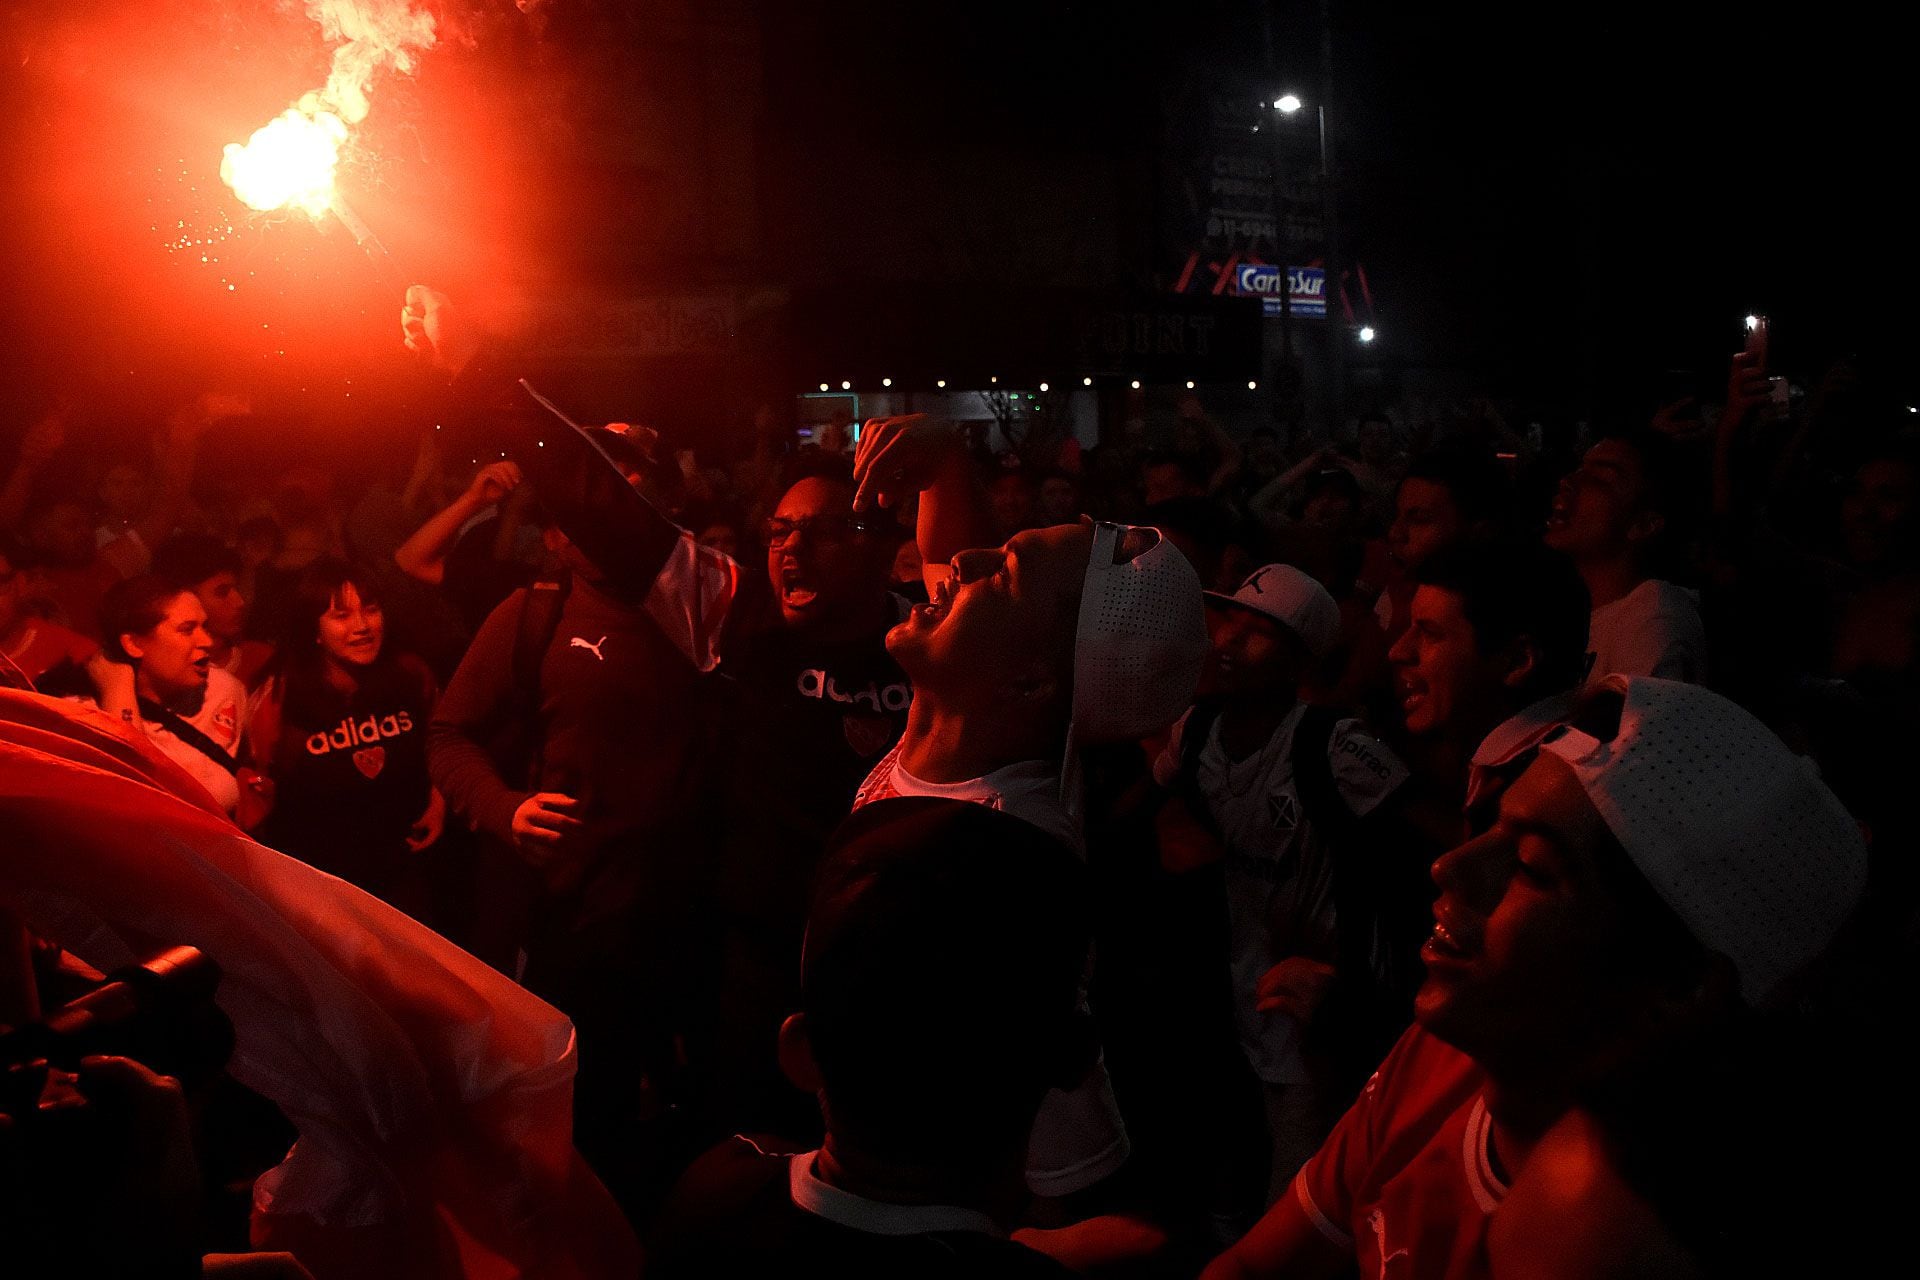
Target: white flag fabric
x=433, y=1095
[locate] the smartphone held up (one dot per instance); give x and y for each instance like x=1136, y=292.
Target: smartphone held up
x=1758, y=335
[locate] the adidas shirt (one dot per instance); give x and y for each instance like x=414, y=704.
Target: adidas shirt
x=1279, y=879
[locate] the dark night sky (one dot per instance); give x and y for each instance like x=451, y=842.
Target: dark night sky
x=1625, y=186
x=1552, y=198
x=1562, y=198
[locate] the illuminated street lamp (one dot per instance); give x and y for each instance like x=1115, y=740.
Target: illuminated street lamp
x=1367, y=334
x=1287, y=103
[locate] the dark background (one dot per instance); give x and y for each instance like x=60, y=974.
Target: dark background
x=1551, y=202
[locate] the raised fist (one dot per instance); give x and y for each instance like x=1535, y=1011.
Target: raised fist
x=431, y=326
x=898, y=457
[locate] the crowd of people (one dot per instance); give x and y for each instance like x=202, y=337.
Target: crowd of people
x=1447, y=849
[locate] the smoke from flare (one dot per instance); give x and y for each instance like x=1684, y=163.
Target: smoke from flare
x=290, y=161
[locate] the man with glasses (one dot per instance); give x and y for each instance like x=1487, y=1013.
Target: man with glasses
x=823, y=702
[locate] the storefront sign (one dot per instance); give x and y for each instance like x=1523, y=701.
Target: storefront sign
x=1306, y=288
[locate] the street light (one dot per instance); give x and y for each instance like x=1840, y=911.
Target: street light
x=1288, y=104
x=1366, y=333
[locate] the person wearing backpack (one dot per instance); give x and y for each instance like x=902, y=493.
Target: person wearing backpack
x=577, y=737
x=1325, y=892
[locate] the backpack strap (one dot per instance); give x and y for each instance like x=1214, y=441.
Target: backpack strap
x=539, y=623
x=1326, y=810
x=1313, y=779
x=1193, y=741
x=184, y=730
x=515, y=746
x=1375, y=975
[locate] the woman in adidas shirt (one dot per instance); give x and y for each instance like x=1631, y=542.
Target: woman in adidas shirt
x=340, y=726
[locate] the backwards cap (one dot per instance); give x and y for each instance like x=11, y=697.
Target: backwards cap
x=1141, y=641
x=1733, y=830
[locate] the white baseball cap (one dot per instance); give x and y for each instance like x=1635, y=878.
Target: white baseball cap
x=1141, y=641
x=1734, y=831
x=1292, y=599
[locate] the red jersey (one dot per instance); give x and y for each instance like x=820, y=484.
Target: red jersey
x=1407, y=1181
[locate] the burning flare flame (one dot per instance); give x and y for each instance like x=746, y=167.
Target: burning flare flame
x=289, y=162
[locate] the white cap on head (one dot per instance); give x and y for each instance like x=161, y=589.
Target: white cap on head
x=1292, y=599
x=1734, y=831
x=1141, y=642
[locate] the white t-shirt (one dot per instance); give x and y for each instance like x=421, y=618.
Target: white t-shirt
x=1653, y=630
x=1279, y=877
x=223, y=718
x=1029, y=791
x=1078, y=1138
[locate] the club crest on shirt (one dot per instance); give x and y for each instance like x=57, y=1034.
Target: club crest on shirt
x=868, y=735
x=370, y=761
x=227, y=720
x=1284, y=810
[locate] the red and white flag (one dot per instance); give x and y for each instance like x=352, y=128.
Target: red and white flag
x=433, y=1096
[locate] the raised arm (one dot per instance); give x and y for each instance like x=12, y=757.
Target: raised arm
x=424, y=555
x=900, y=457
x=1269, y=504
x=1746, y=395
x=1226, y=449
x=496, y=411
x=186, y=426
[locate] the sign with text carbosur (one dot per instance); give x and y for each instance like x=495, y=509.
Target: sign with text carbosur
x=1306, y=288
